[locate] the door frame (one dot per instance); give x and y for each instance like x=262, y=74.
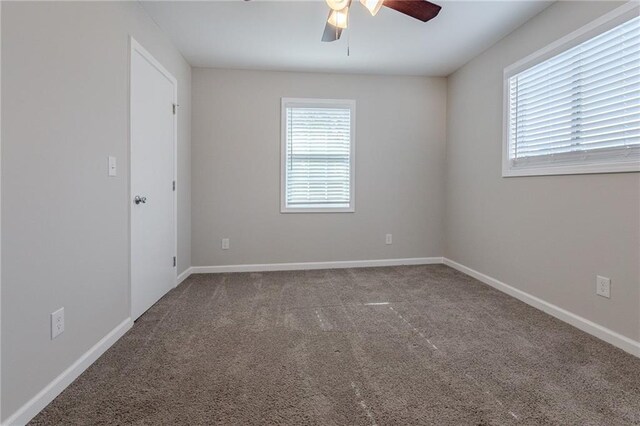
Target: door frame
x=136, y=47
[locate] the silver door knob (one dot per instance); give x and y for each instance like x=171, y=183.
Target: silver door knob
x=140, y=199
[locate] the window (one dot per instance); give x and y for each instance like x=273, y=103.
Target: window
x=574, y=107
x=317, y=155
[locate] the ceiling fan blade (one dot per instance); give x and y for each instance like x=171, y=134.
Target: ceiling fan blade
x=420, y=9
x=331, y=33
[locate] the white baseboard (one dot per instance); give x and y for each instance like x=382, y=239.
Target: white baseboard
x=36, y=404
x=265, y=267
x=183, y=276
x=603, y=333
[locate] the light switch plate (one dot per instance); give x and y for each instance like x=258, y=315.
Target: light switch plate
x=113, y=167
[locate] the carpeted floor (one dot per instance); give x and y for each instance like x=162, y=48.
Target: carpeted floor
x=397, y=345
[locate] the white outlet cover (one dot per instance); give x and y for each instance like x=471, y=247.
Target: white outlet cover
x=603, y=286
x=225, y=244
x=57, y=323
x=388, y=239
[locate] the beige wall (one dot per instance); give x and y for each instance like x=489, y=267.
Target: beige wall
x=400, y=135
x=548, y=236
x=65, y=242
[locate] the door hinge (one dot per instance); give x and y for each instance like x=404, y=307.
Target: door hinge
x=174, y=185
x=174, y=108
x=174, y=261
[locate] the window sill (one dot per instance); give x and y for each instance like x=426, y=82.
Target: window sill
x=579, y=169
x=317, y=210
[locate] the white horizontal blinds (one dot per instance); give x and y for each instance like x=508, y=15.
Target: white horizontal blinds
x=581, y=105
x=318, y=157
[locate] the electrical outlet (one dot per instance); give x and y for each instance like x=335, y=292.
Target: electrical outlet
x=388, y=239
x=225, y=244
x=603, y=286
x=57, y=323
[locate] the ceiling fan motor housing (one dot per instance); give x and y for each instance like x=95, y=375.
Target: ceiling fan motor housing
x=338, y=4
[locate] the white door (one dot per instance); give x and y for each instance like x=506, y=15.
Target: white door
x=153, y=235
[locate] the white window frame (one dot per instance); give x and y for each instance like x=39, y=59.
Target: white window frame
x=316, y=103
x=604, y=23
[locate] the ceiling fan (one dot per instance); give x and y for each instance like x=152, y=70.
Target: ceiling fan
x=339, y=13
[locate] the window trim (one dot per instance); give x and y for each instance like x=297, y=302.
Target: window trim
x=316, y=103
x=604, y=23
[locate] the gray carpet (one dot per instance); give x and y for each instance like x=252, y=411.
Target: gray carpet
x=317, y=347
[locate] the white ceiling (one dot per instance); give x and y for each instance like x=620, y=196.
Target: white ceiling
x=285, y=35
